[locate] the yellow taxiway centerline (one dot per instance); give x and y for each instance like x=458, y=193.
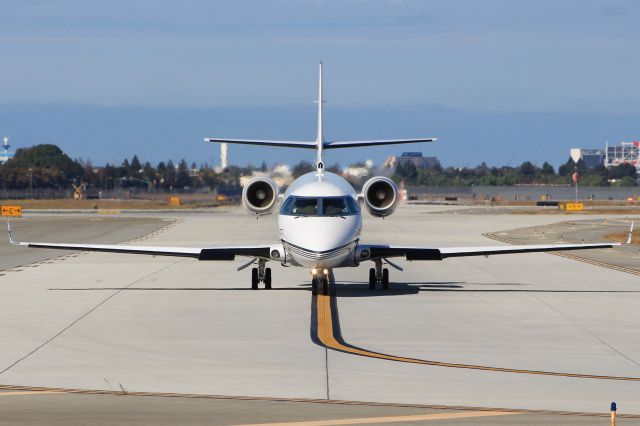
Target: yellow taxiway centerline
x=326, y=336
x=390, y=419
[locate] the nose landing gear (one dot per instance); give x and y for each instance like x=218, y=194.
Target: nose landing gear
x=261, y=274
x=319, y=281
x=378, y=275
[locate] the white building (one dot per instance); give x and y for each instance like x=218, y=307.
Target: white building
x=5, y=154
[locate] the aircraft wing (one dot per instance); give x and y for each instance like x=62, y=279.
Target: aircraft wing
x=200, y=253
x=441, y=253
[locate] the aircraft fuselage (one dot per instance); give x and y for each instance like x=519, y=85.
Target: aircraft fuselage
x=320, y=221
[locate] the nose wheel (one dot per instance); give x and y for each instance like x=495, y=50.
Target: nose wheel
x=320, y=283
x=378, y=275
x=261, y=274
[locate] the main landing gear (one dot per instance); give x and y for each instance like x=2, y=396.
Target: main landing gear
x=261, y=274
x=319, y=281
x=378, y=275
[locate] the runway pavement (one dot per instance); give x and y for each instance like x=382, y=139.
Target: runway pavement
x=110, y=321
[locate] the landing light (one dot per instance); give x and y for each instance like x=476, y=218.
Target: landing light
x=325, y=271
x=314, y=271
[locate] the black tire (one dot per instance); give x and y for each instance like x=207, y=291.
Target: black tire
x=372, y=279
x=254, y=278
x=325, y=285
x=267, y=278
x=385, y=279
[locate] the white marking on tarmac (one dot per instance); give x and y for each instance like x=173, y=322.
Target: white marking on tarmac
x=391, y=419
x=27, y=393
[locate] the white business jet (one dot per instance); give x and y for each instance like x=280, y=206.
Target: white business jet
x=320, y=223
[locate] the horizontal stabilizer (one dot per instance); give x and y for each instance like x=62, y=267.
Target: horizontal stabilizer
x=313, y=145
x=289, y=144
x=355, y=144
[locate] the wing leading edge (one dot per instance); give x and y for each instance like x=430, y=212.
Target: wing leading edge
x=200, y=253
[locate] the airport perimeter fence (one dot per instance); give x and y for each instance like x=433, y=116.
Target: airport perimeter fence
x=520, y=193
x=121, y=193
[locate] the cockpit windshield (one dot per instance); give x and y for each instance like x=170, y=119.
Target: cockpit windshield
x=319, y=206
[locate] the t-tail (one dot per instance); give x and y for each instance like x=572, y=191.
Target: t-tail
x=320, y=138
x=320, y=144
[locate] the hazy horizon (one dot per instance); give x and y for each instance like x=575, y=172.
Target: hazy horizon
x=112, y=133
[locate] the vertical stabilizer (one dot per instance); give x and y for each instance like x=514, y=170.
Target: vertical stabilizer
x=320, y=138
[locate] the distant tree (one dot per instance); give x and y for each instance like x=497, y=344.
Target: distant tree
x=528, y=172
x=126, y=166
x=407, y=172
x=40, y=166
x=567, y=168
x=135, y=167
x=182, y=176
x=547, y=169
x=170, y=175
x=623, y=170
x=302, y=168
x=47, y=156
x=334, y=168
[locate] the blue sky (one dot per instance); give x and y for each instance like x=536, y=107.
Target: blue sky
x=487, y=58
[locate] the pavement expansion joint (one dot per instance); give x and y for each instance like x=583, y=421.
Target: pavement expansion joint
x=81, y=317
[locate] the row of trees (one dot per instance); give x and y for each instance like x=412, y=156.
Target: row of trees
x=526, y=173
x=46, y=166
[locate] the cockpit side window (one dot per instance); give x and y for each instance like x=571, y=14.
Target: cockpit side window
x=353, y=205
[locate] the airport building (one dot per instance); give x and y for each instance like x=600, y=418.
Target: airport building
x=415, y=158
x=611, y=156
x=590, y=157
x=625, y=153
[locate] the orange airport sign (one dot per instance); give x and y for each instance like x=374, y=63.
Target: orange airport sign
x=14, y=211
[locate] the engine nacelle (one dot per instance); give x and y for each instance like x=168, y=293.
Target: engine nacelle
x=380, y=195
x=259, y=195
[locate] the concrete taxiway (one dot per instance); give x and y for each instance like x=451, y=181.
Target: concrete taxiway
x=110, y=321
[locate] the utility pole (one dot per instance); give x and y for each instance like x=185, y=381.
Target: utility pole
x=31, y=182
x=574, y=177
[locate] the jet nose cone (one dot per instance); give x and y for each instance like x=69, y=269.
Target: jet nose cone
x=331, y=238
x=322, y=234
